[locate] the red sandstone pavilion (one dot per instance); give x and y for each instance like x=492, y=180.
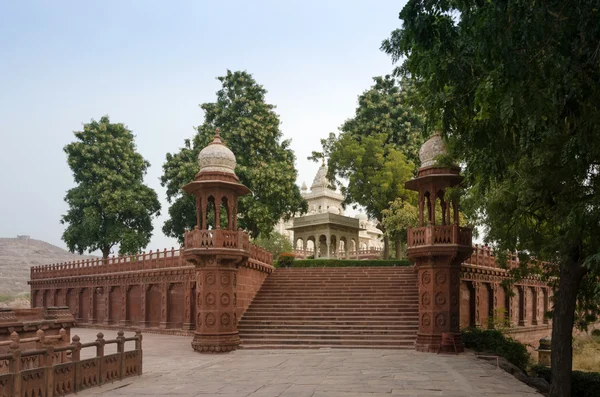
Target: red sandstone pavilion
x=222, y=289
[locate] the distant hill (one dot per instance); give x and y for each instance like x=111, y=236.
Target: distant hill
x=17, y=255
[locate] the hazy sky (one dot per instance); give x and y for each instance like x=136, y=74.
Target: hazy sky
x=150, y=64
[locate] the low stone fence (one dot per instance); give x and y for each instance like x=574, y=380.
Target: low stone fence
x=57, y=371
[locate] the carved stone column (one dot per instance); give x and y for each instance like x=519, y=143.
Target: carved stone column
x=477, y=290
x=439, y=291
x=188, y=321
x=91, y=318
x=124, y=298
x=76, y=314
x=216, y=320
x=144, y=315
x=164, y=306
x=107, y=313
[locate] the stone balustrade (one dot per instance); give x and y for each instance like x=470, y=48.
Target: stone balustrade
x=217, y=238
x=52, y=370
x=438, y=235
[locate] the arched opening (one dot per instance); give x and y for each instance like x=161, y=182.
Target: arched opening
x=210, y=213
x=427, y=205
x=322, y=251
x=225, y=214
x=300, y=244
x=333, y=247
x=310, y=245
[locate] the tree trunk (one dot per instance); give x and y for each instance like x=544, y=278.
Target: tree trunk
x=105, y=252
x=398, y=249
x=386, y=246
x=562, y=329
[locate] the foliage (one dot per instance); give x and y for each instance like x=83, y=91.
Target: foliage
x=110, y=204
x=265, y=163
x=584, y=384
x=596, y=332
x=499, y=321
x=349, y=263
x=399, y=217
x=493, y=341
x=515, y=85
x=286, y=259
x=276, y=243
x=377, y=150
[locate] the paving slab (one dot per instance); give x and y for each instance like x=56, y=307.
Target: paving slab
x=172, y=368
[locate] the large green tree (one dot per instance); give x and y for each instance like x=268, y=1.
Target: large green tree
x=276, y=244
x=377, y=150
x=110, y=205
x=516, y=85
x=265, y=163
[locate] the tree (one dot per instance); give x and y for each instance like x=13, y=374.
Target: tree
x=375, y=171
x=516, y=87
x=386, y=130
x=265, y=163
x=276, y=244
x=110, y=204
x=397, y=219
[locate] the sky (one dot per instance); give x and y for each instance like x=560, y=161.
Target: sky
x=150, y=64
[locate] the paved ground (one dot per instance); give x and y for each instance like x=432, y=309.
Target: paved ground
x=172, y=368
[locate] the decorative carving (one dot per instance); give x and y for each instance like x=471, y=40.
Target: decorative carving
x=210, y=299
x=225, y=299
x=225, y=319
x=210, y=320
x=210, y=278
x=426, y=319
x=426, y=278
x=453, y=299
x=440, y=320
x=199, y=320
x=440, y=299
x=440, y=277
x=454, y=279
x=224, y=279
x=425, y=299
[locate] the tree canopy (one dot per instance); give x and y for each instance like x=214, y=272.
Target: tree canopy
x=516, y=85
x=110, y=204
x=265, y=163
x=276, y=244
x=377, y=150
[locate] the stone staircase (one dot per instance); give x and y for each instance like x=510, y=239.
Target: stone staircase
x=353, y=307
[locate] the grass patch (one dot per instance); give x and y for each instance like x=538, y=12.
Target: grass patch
x=348, y=263
x=586, y=353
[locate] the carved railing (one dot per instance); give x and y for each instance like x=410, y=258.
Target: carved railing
x=484, y=256
x=57, y=371
x=127, y=263
x=438, y=235
x=217, y=238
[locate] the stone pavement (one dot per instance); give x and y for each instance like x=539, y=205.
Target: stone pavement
x=172, y=368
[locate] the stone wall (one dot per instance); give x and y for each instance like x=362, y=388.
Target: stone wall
x=484, y=301
x=156, y=291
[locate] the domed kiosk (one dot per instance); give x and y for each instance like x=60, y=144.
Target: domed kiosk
x=438, y=246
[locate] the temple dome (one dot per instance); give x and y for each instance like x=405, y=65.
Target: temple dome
x=431, y=149
x=216, y=157
x=321, y=178
x=361, y=216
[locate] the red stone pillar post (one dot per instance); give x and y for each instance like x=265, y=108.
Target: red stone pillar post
x=216, y=319
x=439, y=306
x=188, y=321
x=124, y=298
x=164, y=305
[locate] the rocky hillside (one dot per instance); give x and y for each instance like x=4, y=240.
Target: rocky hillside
x=17, y=255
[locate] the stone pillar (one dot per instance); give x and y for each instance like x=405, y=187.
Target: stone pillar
x=143, y=314
x=188, y=321
x=535, y=305
x=107, y=313
x=91, y=319
x=124, y=298
x=216, y=320
x=164, y=307
x=477, y=290
x=439, y=292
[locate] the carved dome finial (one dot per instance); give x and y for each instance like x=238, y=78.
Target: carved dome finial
x=216, y=157
x=431, y=149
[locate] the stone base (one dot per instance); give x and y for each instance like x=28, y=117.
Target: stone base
x=430, y=343
x=221, y=343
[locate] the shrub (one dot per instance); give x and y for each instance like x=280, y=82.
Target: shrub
x=583, y=384
x=596, y=332
x=349, y=263
x=286, y=259
x=493, y=341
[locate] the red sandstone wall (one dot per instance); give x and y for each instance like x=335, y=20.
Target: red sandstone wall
x=248, y=284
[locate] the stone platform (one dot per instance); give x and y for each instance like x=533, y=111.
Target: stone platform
x=171, y=368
